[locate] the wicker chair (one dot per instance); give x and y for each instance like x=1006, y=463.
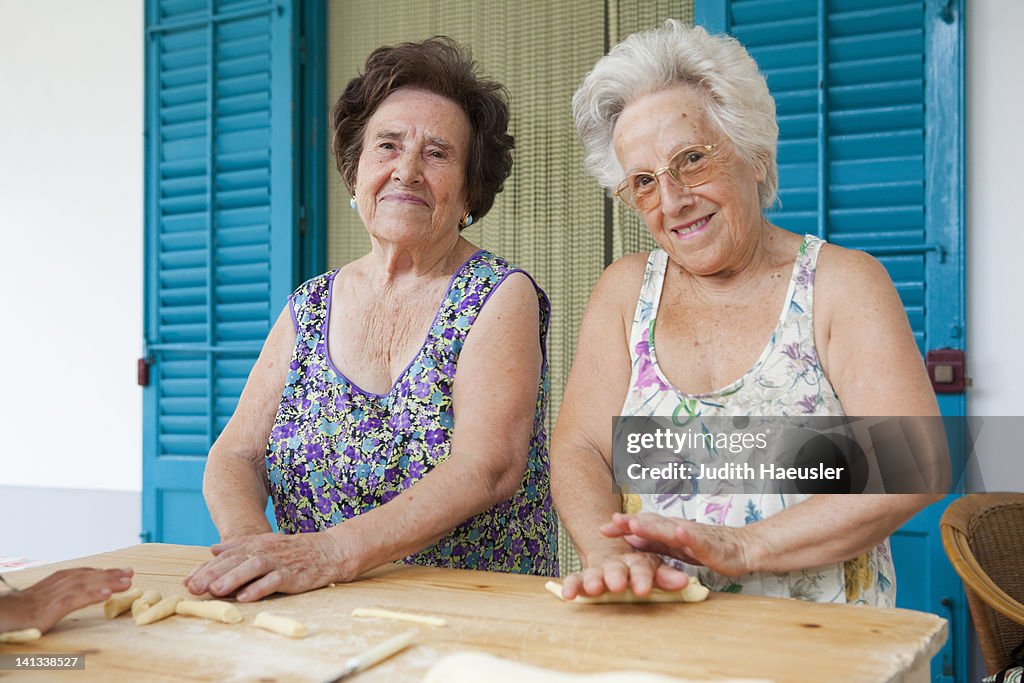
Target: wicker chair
x=983, y=535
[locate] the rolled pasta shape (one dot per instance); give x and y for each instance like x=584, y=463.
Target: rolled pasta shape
x=148, y=599
x=286, y=626
x=160, y=610
x=116, y=604
x=398, y=616
x=23, y=636
x=216, y=610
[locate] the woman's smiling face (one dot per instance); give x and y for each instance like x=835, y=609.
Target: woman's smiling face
x=706, y=229
x=411, y=178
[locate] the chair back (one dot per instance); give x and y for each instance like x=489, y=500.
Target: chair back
x=983, y=534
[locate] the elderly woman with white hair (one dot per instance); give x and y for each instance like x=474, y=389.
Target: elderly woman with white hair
x=729, y=316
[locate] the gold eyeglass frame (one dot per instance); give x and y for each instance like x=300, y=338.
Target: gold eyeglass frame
x=710, y=150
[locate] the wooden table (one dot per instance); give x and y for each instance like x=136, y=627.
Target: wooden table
x=506, y=615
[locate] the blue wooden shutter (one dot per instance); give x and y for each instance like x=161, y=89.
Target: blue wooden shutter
x=869, y=103
x=219, y=232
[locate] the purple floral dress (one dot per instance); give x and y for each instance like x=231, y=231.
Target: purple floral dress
x=337, y=451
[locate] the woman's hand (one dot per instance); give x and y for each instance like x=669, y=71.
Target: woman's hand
x=46, y=602
x=638, y=571
x=726, y=550
x=269, y=563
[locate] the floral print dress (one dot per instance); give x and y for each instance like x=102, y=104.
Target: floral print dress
x=787, y=380
x=337, y=451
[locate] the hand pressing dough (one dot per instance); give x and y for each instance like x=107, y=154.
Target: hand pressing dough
x=148, y=599
x=398, y=616
x=694, y=592
x=121, y=602
x=471, y=667
x=160, y=610
x=217, y=610
x=22, y=636
x=286, y=626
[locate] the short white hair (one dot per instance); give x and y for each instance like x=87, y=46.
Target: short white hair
x=738, y=98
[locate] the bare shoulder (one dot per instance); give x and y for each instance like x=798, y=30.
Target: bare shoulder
x=847, y=279
x=511, y=308
x=515, y=293
x=619, y=284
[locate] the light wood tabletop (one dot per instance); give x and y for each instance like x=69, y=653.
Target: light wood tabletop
x=511, y=616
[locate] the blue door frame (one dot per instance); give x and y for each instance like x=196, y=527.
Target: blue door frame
x=221, y=207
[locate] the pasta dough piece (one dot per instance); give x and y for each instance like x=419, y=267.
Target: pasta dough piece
x=286, y=626
x=472, y=667
x=398, y=616
x=121, y=602
x=694, y=592
x=216, y=610
x=148, y=599
x=160, y=610
x=22, y=636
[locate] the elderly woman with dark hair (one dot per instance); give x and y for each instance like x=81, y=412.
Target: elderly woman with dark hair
x=397, y=408
x=730, y=316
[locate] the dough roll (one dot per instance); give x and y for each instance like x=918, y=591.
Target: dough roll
x=121, y=602
x=148, y=599
x=398, y=616
x=23, y=636
x=160, y=610
x=215, y=610
x=286, y=626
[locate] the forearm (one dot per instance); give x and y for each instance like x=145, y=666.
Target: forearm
x=417, y=518
x=828, y=528
x=581, y=488
x=236, y=495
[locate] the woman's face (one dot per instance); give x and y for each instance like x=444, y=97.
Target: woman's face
x=708, y=229
x=411, y=179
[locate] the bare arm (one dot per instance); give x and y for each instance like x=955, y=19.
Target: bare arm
x=235, y=484
x=581, y=466
x=875, y=370
x=46, y=602
x=869, y=354
x=490, y=443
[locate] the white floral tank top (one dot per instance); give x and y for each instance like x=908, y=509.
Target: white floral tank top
x=786, y=380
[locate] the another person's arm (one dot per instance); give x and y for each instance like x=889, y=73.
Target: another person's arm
x=494, y=402
x=46, y=602
x=581, y=471
x=868, y=352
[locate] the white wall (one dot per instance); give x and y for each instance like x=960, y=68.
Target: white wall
x=71, y=127
x=995, y=207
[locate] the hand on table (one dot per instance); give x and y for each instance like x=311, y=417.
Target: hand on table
x=259, y=565
x=46, y=602
x=639, y=571
x=725, y=550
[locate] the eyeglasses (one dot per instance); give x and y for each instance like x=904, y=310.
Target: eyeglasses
x=689, y=167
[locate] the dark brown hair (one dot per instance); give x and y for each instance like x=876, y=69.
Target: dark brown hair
x=438, y=65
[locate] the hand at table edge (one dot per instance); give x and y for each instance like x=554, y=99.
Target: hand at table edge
x=253, y=567
x=50, y=599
